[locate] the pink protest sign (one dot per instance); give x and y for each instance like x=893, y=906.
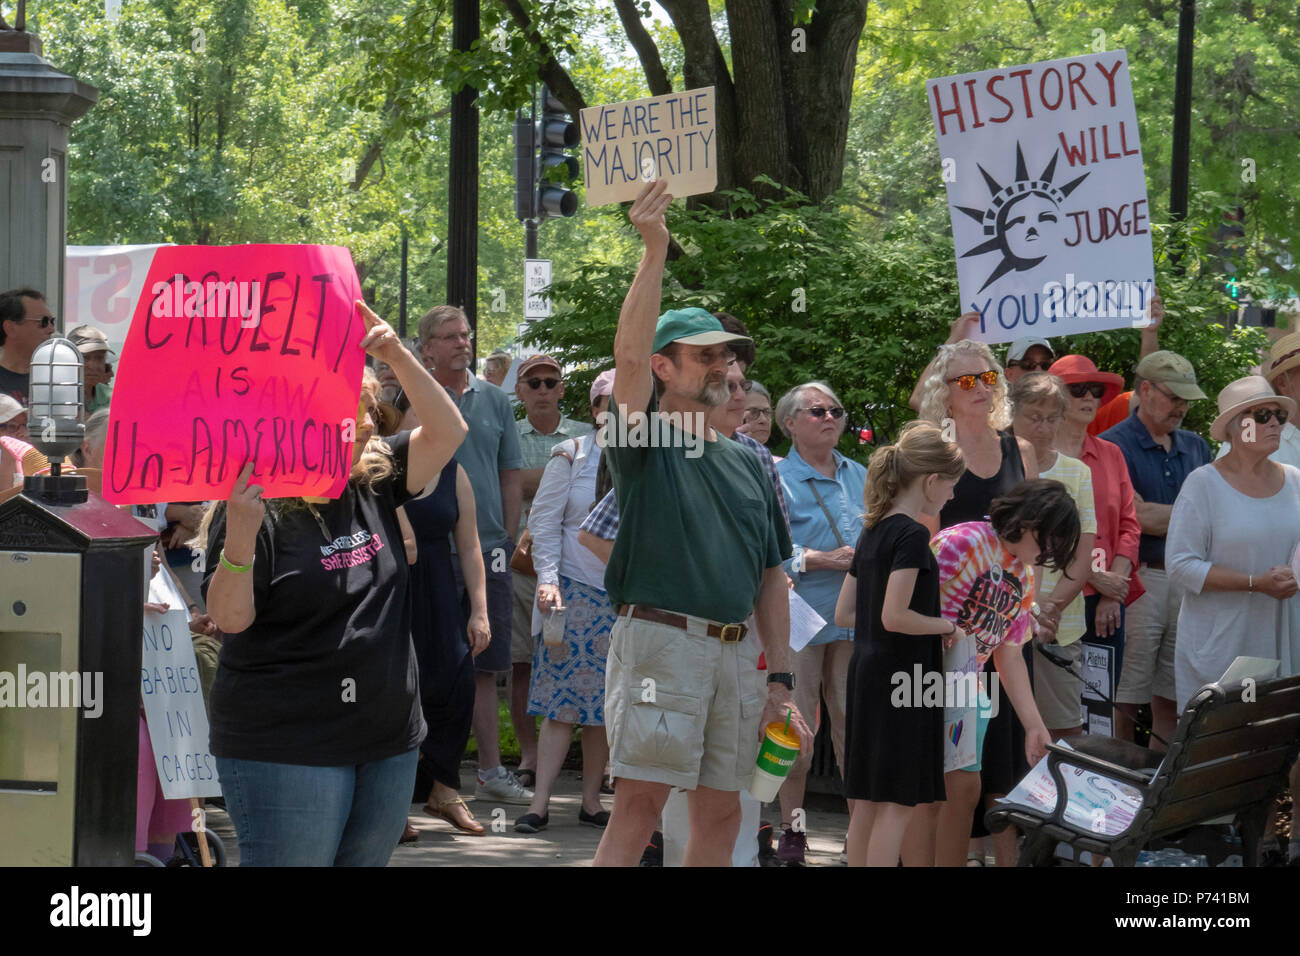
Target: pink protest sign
x=237, y=353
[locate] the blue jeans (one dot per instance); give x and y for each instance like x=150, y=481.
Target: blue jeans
x=293, y=815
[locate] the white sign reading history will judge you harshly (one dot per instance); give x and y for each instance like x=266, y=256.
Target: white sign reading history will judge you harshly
x=1048, y=196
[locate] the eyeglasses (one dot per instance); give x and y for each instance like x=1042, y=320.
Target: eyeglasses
x=1032, y=366
x=734, y=387
x=1169, y=395
x=536, y=383
x=1051, y=420
x=967, y=382
x=821, y=411
x=1265, y=415
x=1080, y=389
x=753, y=414
x=45, y=320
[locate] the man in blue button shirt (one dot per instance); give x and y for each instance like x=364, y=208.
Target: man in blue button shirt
x=1160, y=456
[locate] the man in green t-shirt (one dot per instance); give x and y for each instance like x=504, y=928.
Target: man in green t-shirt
x=700, y=545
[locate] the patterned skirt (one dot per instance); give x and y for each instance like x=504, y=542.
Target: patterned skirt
x=570, y=687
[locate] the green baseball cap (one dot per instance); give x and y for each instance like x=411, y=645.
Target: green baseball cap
x=692, y=327
x=1173, y=371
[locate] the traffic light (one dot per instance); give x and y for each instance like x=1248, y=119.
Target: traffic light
x=525, y=167
x=1232, y=237
x=556, y=132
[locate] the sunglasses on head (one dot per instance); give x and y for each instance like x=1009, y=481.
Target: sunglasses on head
x=821, y=411
x=1080, y=389
x=536, y=383
x=1264, y=415
x=967, y=382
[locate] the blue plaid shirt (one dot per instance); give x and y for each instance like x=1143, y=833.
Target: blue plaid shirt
x=603, y=519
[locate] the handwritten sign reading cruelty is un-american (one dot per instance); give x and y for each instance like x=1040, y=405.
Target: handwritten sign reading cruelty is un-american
x=235, y=354
x=672, y=137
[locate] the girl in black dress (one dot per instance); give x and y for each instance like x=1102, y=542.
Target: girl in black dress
x=894, y=751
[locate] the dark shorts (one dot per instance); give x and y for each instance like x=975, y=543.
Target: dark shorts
x=495, y=658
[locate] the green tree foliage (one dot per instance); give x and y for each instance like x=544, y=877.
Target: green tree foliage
x=822, y=301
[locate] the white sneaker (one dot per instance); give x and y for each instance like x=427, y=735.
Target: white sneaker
x=504, y=788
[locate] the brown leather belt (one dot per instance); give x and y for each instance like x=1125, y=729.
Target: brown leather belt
x=726, y=633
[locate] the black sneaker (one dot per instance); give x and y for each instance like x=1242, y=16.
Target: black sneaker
x=532, y=823
x=653, y=855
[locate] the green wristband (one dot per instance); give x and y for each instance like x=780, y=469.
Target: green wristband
x=237, y=568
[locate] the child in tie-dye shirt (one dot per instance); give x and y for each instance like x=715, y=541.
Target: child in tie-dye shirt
x=986, y=586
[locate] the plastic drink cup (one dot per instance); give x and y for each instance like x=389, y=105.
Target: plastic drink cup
x=557, y=648
x=553, y=627
x=776, y=756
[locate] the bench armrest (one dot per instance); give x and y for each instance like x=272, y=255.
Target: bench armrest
x=1073, y=758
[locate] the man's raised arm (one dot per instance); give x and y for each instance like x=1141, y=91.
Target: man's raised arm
x=640, y=313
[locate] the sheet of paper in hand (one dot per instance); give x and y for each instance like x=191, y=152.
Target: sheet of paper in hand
x=237, y=353
x=672, y=137
x=1047, y=194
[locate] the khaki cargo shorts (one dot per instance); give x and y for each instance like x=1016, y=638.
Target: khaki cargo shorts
x=682, y=708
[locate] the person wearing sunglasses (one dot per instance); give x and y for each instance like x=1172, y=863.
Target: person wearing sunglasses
x=1028, y=354
x=539, y=384
x=824, y=491
x=966, y=395
x=25, y=322
x=1282, y=369
x=1232, y=534
x=1160, y=456
x=1112, y=583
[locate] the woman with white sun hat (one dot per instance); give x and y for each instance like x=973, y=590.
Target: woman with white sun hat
x=1232, y=535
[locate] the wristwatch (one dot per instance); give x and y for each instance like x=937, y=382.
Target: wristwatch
x=781, y=677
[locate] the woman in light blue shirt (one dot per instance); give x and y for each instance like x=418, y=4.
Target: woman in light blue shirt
x=823, y=490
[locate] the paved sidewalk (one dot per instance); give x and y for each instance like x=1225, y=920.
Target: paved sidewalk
x=563, y=843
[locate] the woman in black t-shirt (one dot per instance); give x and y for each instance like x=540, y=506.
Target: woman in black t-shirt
x=894, y=750
x=315, y=713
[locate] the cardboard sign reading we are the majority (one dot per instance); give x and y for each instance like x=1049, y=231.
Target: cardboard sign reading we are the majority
x=236, y=354
x=672, y=137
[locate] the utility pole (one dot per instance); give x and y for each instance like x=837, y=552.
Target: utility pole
x=1180, y=171
x=401, y=312
x=462, y=206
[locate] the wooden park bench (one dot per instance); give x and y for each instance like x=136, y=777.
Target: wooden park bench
x=1228, y=757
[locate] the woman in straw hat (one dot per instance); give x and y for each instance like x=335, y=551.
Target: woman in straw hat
x=1232, y=535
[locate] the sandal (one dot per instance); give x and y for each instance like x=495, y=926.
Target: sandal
x=530, y=781
x=975, y=860
x=409, y=835
x=446, y=810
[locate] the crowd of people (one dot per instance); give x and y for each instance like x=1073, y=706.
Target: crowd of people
x=637, y=590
